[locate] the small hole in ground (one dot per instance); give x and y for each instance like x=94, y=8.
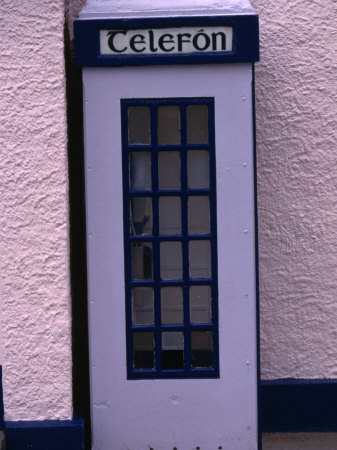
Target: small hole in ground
x=219, y=448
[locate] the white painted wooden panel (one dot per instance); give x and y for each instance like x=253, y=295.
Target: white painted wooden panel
x=181, y=413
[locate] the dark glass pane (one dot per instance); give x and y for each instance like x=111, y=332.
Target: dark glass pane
x=141, y=215
x=202, y=349
x=200, y=304
x=169, y=170
x=171, y=262
x=169, y=124
x=172, y=305
x=197, y=124
x=200, y=259
x=169, y=215
x=198, y=169
x=142, y=306
x=198, y=214
x=141, y=260
x=140, y=171
x=139, y=124
x=143, y=350
x=172, y=350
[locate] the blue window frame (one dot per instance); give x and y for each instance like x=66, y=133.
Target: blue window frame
x=170, y=237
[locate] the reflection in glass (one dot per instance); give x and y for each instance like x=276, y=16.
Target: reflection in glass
x=200, y=259
x=139, y=124
x=142, y=306
x=200, y=304
x=143, y=350
x=141, y=260
x=169, y=124
x=201, y=349
x=198, y=214
x=172, y=305
x=197, y=124
x=141, y=215
x=171, y=264
x=198, y=169
x=140, y=170
x=169, y=170
x=173, y=350
x=169, y=215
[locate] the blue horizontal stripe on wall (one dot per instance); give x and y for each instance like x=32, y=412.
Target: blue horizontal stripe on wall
x=292, y=405
x=45, y=435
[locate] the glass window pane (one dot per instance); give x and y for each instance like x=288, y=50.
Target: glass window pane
x=200, y=259
x=171, y=264
x=198, y=169
x=198, y=214
x=140, y=171
x=139, y=124
x=200, y=304
x=141, y=215
x=197, y=124
x=141, y=260
x=172, y=305
x=142, y=306
x=202, y=348
x=173, y=350
x=169, y=215
x=143, y=350
x=169, y=124
x=168, y=144
x=169, y=170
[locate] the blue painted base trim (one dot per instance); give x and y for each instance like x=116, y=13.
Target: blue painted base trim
x=45, y=435
x=293, y=405
x=2, y=422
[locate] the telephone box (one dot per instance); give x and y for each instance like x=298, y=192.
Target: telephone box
x=170, y=201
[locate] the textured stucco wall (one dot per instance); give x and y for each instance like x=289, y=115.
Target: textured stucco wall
x=297, y=172
x=35, y=291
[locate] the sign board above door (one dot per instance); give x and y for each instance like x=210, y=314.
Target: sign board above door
x=176, y=40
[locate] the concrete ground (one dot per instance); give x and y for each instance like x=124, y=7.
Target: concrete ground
x=299, y=441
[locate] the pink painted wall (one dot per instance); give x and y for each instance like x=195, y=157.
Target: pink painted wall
x=34, y=246
x=297, y=172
